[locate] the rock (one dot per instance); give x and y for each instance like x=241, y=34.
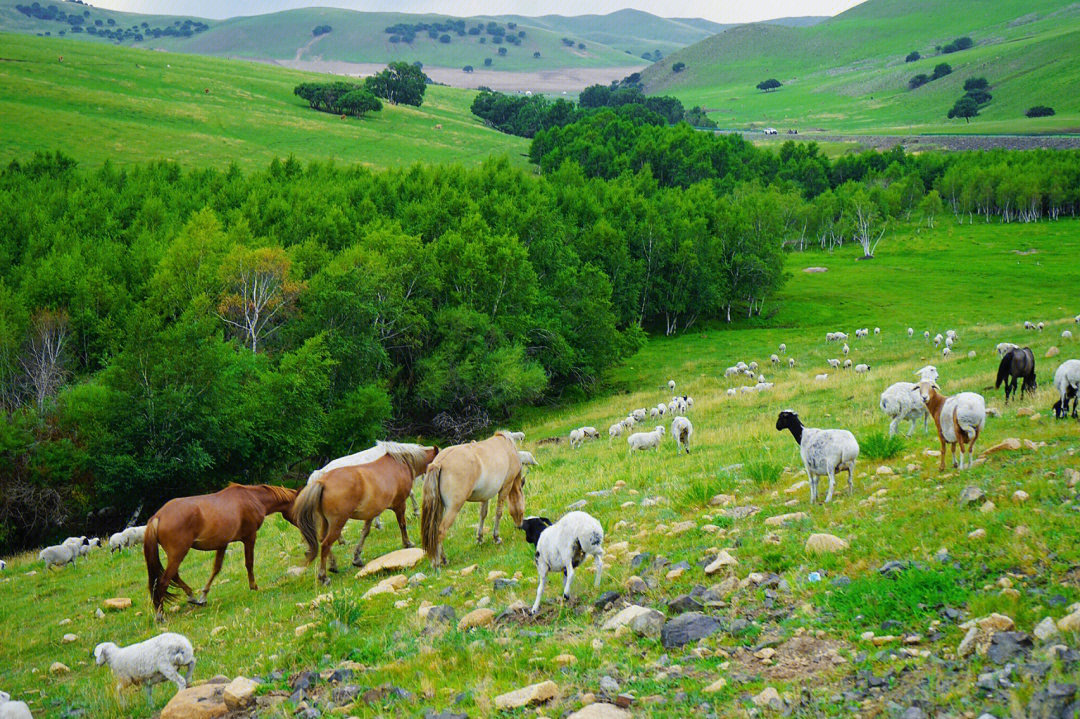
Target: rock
x=795, y=487
x=396, y=560
x=496, y=574
x=59, y=668
x=625, y=616
x=608, y=685
x=466, y=571
x=883, y=469
x=624, y=700
x=117, y=603
x=647, y=624
x=600, y=710
x=636, y=585
x=303, y=629
x=824, y=543
x=685, y=603
x=580, y=504
x=604, y=600
x=742, y=512
x=1007, y=646
x=977, y=534
x=987, y=507
x=1046, y=629
x=674, y=574
x=680, y=527
x=205, y=701
x=716, y=686
x=69, y=638
x=565, y=660
x=482, y=617
x=723, y=559
x=440, y=613
x=769, y=698
x=815, y=270
x=220, y=629
x=1010, y=443
x=1052, y=352
x=971, y=495
x=532, y=694
x=502, y=583
x=99, y=614
x=295, y=571
x=913, y=713
x=996, y=623
x=722, y=500
x=781, y=519
x=1052, y=702
x=968, y=643
x=239, y=693
x=386, y=586
x=1020, y=496
x=1024, y=412
x=1070, y=623
x=687, y=628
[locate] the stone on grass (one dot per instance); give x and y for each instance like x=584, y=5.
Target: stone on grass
x=69, y=638
x=996, y=623
x=239, y=693
x=117, y=603
x=1046, y=629
x=687, y=628
x=824, y=543
x=398, y=559
x=979, y=533
x=58, y=668
x=1052, y=352
x=636, y=585
x=564, y=660
x=716, y=686
x=769, y=698
x=781, y=519
x=532, y=694
x=295, y=571
x=971, y=495
x=723, y=559
x=1070, y=623
x=206, y=701
x=600, y=710
x=482, y=617
x=884, y=469
x=1009, y=443
x=1020, y=496
x=625, y=616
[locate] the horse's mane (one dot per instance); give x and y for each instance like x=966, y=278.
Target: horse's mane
x=411, y=455
x=281, y=494
x=1003, y=368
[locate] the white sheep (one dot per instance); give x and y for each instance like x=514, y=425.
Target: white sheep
x=518, y=437
x=834, y=363
x=527, y=458
x=13, y=710
x=752, y=366
x=645, y=440
x=971, y=354
x=742, y=366
x=731, y=371
x=775, y=359
x=763, y=386
x=846, y=349
x=671, y=385
x=1077, y=319
x=1029, y=325
x=926, y=334
x=615, y=430
x=902, y=401
x=1003, y=348
x=791, y=363
x=3, y=565
x=937, y=339
x=746, y=389
x=1040, y=326
x=1067, y=383
x=946, y=352
x=951, y=334
x=823, y=452
x=151, y=662
x=948, y=342
x=928, y=373
x=58, y=555
x=577, y=438
x=748, y=372
x=1066, y=334
x=661, y=408
x=639, y=414
x=732, y=392
x=862, y=368
x=133, y=536
x=910, y=331
x=760, y=378
x=877, y=330
x=563, y=546
x=783, y=347
x=681, y=431
x=653, y=413
x=821, y=377
x=847, y=364
x=689, y=401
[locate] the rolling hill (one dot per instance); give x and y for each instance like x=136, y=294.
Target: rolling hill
x=129, y=105
x=849, y=72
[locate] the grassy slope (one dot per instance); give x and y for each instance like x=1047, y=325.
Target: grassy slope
x=906, y=515
x=129, y=106
x=849, y=74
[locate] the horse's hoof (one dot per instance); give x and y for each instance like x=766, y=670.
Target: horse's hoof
x=334, y=569
x=324, y=580
x=498, y=540
x=408, y=545
x=197, y=602
x=254, y=587
x=358, y=563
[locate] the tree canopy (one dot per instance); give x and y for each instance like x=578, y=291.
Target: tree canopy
x=769, y=85
x=399, y=84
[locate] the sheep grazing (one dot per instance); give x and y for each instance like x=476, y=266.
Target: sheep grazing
x=3, y=565
x=58, y=555
x=747, y=389
x=13, y=710
x=1066, y=382
x=681, y=431
x=862, y=368
x=1004, y=348
x=671, y=385
x=661, y=408
x=742, y=366
x=846, y=349
x=783, y=347
x=614, y=431
x=760, y=378
x=116, y=542
x=823, y=452
x=946, y=352
x=948, y=342
x=638, y=414
x=775, y=359
x=862, y=332
x=732, y=392
x=752, y=366
x=951, y=335
x=518, y=437
x=937, y=339
x=653, y=413
x=562, y=546
x=821, y=377
x=645, y=440
x=971, y=354
x=959, y=419
x=877, y=330
x=834, y=363
x=926, y=334
x=910, y=331
x=133, y=536
x=902, y=401
x=1066, y=334
x=1029, y=325
x=791, y=363
x=577, y=438
x=689, y=401
x=731, y=371
x=151, y=662
x=527, y=458
x=1076, y=319
x=1040, y=326
x=763, y=386
x=847, y=364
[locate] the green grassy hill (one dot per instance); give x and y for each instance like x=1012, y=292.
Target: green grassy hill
x=1024, y=567
x=848, y=73
x=130, y=105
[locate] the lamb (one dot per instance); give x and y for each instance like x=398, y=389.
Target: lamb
x=1066, y=334
x=847, y=364
x=614, y=430
x=742, y=366
x=791, y=363
x=823, y=452
x=1066, y=382
x=58, y=555
x=151, y=662
x=863, y=332
x=821, y=377
x=1004, y=348
x=902, y=401
x=877, y=330
x=862, y=368
x=518, y=437
x=775, y=359
x=563, y=546
x=645, y=440
x=577, y=438
x=959, y=419
x=13, y=710
x=783, y=347
x=834, y=363
x=846, y=349
x=681, y=431
x=910, y=331
x=671, y=385
x=760, y=378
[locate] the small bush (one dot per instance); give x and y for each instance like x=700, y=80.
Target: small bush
x=960, y=43
x=761, y=468
x=976, y=83
x=908, y=598
x=918, y=81
x=941, y=70
x=698, y=491
x=678, y=67
x=913, y=56
x=880, y=445
x=1039, y=111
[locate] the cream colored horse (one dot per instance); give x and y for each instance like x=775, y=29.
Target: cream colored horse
x=473, y=472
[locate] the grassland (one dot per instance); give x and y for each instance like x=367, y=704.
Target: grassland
x=924, y=279
x=848, y=73
x=129, y=106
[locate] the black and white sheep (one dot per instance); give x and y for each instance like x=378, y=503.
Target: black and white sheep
x=153, y=661
x=562, y=546
x=823, y=452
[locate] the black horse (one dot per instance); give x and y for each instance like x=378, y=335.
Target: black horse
x=1017, y=364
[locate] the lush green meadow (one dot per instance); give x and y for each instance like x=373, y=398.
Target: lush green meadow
x=849, y=74
x=128, y=106
x=926, y=279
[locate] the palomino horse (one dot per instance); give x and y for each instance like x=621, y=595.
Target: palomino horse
x=358, y=492
x=473, y=472
x=209, y=522
x=1017, y=363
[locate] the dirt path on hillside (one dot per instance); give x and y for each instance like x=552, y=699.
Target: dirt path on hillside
x=568, y=80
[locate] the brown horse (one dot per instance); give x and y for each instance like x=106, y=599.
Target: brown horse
x=473, y=472
x=361, y=491
x=209, y=522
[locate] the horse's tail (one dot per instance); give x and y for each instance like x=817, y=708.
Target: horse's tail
x=159, y=593
x=431, y=511
x=306, y=507
x=1003, y=369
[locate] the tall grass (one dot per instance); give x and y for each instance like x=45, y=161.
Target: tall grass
x=880, y=445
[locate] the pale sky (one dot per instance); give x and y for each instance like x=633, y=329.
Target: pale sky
x=721, y=12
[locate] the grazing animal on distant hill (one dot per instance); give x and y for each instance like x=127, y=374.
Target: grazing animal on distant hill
x=1066, y=382
x=1017, y=364
x=362, y=491
x=473, y=472
x=823, y=452
x=563, y=545
x=209, y=522
x=959, y=419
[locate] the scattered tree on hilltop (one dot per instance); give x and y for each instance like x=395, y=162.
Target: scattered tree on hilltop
x=487, y=62
x=399, y=84
x=965, y=107
x=358, y=103
x=769, y=85
x=976, y=83
x=1040, y=111
x=467, y=68
x=321, y=30
x=941, y=70
x=536, y=54
x=960, y=43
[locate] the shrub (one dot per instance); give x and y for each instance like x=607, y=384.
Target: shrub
x=321, y=30
x=976, y=83
x=487, y=62
x=912, y=595
x=678, y=67
x=1039, y=111
x=960, y=43
x=444, y=39
x=502, y=51
x=913, y=56
x=879, y=445
x=768, y=85
x=941, y=70
x=918, y=81
x=467, y=68
x=536, y=54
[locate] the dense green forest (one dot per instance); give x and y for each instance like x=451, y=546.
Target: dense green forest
x=165, y=331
